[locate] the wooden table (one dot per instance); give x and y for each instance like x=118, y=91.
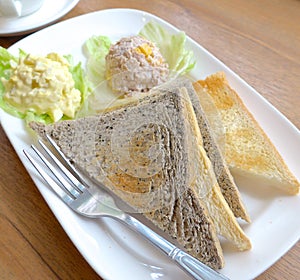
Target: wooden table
x=259, y=40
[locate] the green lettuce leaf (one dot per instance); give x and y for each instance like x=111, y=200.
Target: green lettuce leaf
x=172, y=47
x=80, y=79
x=95, y=49
x=6, y=60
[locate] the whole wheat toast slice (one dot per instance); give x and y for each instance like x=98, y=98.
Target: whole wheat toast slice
x=144, y=154
x=248, y=150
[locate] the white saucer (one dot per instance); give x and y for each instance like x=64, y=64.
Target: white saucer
x=48, y=13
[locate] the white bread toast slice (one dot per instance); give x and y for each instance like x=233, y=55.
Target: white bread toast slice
x=162, y=188
x=225, y=180
x=248, y=150
x=210, y=191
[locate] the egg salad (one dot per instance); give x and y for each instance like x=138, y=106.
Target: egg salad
x=43, y=85
x=42, y=88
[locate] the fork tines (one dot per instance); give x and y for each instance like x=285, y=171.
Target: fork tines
x=66, y=184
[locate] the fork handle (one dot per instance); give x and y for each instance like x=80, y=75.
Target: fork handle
x=195, y=268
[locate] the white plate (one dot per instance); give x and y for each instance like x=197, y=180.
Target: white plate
x=111, y=249
x=48, y=13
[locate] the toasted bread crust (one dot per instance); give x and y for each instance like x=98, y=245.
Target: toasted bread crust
x=248, y=151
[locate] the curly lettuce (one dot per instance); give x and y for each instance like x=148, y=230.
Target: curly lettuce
x=6, y=60
x=95, y=49
x=172, y=47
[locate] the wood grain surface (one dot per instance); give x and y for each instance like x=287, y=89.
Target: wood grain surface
x=259, y=40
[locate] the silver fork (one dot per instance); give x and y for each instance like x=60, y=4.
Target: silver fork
x=78, y=197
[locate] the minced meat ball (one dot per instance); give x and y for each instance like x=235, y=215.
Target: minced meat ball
x=135, y=65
